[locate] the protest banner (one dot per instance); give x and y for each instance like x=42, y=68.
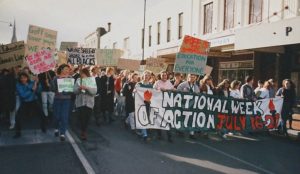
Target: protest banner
x=81, y=56
x=65, y=85
x=188, y=111
x=130, y=64
x=108, y=57
x=192, y=57
x=41, y=61
x=65, y=45
x=192, y=45
x=156, y=65
x=190, y=63
x=12, y=55
x=89, y=82
x=40, y=38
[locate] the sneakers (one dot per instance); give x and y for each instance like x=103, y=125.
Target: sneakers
x=62, y=137
x=56, y=133
x=12, y=126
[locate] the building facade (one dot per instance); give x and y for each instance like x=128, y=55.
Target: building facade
x=248, y=37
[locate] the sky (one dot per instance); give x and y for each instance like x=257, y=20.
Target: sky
x=73, y=19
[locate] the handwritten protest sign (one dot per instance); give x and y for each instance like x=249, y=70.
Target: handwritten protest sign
x=192, y=45
x=40, y=38
x=81, y=56
x=41, y=61
x=65, y=85
x=108, y=57
x=190, y=63
x=156, y=65
x=192, y=57
x=12, y=54
x=89, y=82
x=130, y=64
x=189, y=111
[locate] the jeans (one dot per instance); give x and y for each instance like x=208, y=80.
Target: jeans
x=130, y=120
x=13, y=113
x=61, y=111
x=47, y=98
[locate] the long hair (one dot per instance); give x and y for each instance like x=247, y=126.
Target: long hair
x=23, y=74
x=86, y=72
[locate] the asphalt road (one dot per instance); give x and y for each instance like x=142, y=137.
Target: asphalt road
x=112, y=149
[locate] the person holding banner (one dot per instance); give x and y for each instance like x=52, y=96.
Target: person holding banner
x=191, y=87
x=288, y=93
x=27, y=90
x=63, y=86
x=145, y=83
x=206, y=85
x=247, y=91
x=164, y=84
x=235, y=89
x=107, y=93
x=85, y=89
x=128, y=92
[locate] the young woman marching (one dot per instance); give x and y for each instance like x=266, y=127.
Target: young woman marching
x=62, y=103
x=84, y=101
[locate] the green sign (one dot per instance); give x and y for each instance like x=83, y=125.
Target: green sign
x=65, y=85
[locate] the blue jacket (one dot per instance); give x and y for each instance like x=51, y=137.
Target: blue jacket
x=26, y=93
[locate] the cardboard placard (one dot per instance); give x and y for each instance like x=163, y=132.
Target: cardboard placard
x=65, y=85
x=81, y=56
x=156, y=65
x=41, y=61
x=108, y=57
x=40, y=38
x=12, y=55
x=130, y=64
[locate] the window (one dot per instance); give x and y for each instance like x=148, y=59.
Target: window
x=229, y=14
x=168, y=29
x=208, y=17
x=255, y=14
x=143, y=38
x=126, y=43
x=180, y=25
x=158, y=33
x=114, y=45
x=235, y=70
x=150, y=37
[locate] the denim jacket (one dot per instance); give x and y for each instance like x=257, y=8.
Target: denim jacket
x=26, y=93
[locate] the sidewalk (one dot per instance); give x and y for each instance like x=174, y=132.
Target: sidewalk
x=36, y=152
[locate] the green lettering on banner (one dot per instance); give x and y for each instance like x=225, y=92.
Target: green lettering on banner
x=192, y=112
x=65, y=85
x=89, y=82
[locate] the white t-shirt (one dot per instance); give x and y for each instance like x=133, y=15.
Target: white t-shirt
x=235, y=93
x=264, y=93
x=167, y=85
x=209, y=91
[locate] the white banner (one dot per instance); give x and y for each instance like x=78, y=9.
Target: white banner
x=186, y=111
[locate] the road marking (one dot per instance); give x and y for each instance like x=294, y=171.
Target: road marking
x=80, y=155
x=232, y=157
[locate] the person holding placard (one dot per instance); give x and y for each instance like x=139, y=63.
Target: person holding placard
x=63, y=86
x=27, y=90
x=85, y=89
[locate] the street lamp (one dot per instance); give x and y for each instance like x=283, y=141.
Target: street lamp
x=143, y=62
x=10, y=25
